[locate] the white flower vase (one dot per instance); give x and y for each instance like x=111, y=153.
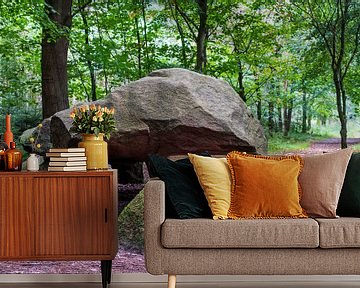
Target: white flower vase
x=32, y=163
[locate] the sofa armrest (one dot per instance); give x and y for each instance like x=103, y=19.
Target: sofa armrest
x=154, y=216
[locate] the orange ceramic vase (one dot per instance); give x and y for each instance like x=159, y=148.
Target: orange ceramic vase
x=8, y=135
x=95, y=151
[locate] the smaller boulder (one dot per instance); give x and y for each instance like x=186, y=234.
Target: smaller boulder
x=131, y=224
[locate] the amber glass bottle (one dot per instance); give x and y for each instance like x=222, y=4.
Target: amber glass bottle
x=13, y=158
x=3, y=148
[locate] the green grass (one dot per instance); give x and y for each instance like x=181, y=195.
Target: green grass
x=277, y=143
x=356, y=147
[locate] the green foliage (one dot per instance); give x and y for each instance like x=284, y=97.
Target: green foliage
x=265, y=49
x=131, y=223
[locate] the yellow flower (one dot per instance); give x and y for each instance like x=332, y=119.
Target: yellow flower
x=86, y=107
x=38, y=145
x=94, y=118
x=72, y=115
x=101, y=119
x=31, y=140
x=112, y=110
x=92, y=107
x=82, y=109
x=40, y=125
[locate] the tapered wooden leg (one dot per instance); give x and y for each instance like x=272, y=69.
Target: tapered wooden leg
x=171, y=281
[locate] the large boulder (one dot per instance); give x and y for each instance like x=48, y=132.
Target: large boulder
x=173, y=111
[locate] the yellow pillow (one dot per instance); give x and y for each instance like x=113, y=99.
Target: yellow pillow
x=215, y=179
x=265, y=186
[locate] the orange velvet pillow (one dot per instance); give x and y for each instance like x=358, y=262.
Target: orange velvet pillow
x=265, y=186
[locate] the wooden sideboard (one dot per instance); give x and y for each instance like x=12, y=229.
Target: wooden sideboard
x=59, y=216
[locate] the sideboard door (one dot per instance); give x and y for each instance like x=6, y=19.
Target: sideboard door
x=16, y=217
x=73, y=216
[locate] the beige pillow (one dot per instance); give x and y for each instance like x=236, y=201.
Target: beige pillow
x=215, y=179
x=321, y=181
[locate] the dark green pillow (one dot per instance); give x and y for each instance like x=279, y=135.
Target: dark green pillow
x=349, y=202
x=182, y=187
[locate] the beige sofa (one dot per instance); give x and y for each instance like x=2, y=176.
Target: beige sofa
x=246, y=247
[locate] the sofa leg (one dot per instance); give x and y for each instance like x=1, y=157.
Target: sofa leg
x=171, y=281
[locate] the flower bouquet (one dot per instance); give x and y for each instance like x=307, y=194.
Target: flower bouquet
x=93, y=120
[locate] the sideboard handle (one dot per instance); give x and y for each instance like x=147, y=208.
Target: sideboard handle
x=106, y=215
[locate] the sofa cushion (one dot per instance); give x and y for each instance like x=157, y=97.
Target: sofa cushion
x=215, y=179
x=250, y=233
x=321, y=181
x=349, y=202
x=184, y=196
x=339, y=233
x=265, y=186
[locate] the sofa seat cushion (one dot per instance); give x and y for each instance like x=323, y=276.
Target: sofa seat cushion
x=249, y=233
x=339, y=233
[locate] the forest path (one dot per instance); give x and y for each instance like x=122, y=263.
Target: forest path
x=326, y=145
x=329, y=144
x=336, y=141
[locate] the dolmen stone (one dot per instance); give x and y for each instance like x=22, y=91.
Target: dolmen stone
x=173, y=112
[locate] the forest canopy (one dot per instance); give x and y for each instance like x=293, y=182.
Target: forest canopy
x=291, y=61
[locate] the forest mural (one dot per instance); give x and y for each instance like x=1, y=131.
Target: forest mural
x=290, y=61
x=295, y=63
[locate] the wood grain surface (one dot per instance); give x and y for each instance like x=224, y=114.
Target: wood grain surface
x=58, y=215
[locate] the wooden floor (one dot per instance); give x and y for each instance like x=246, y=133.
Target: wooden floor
x=242, y=284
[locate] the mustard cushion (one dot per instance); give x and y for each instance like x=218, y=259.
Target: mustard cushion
x=215, y=179
x=265, y=186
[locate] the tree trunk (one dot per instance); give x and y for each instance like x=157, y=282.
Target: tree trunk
x=258, y=97
x=280, y=120
x=304, y=114
x=309, y=122
x=241, y=82
x=87, y=55
x=341, y=106
x=147, y=63
x=54, y=54
x=139, y=46
x=201, y=37
x=258, y=109
x=182, y=37
x=335, y=41
x=287, y=117
x=104, y=62
x=271, y=117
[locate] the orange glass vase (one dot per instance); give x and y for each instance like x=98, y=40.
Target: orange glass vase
x=95, y=150
x=13, y=158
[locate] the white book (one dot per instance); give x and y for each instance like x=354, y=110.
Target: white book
x=66, y=150
x=67, y=168
x=68, y=163
x=67, y=159
x=65, y=154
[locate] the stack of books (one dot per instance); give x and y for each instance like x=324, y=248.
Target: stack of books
x=67, y=159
